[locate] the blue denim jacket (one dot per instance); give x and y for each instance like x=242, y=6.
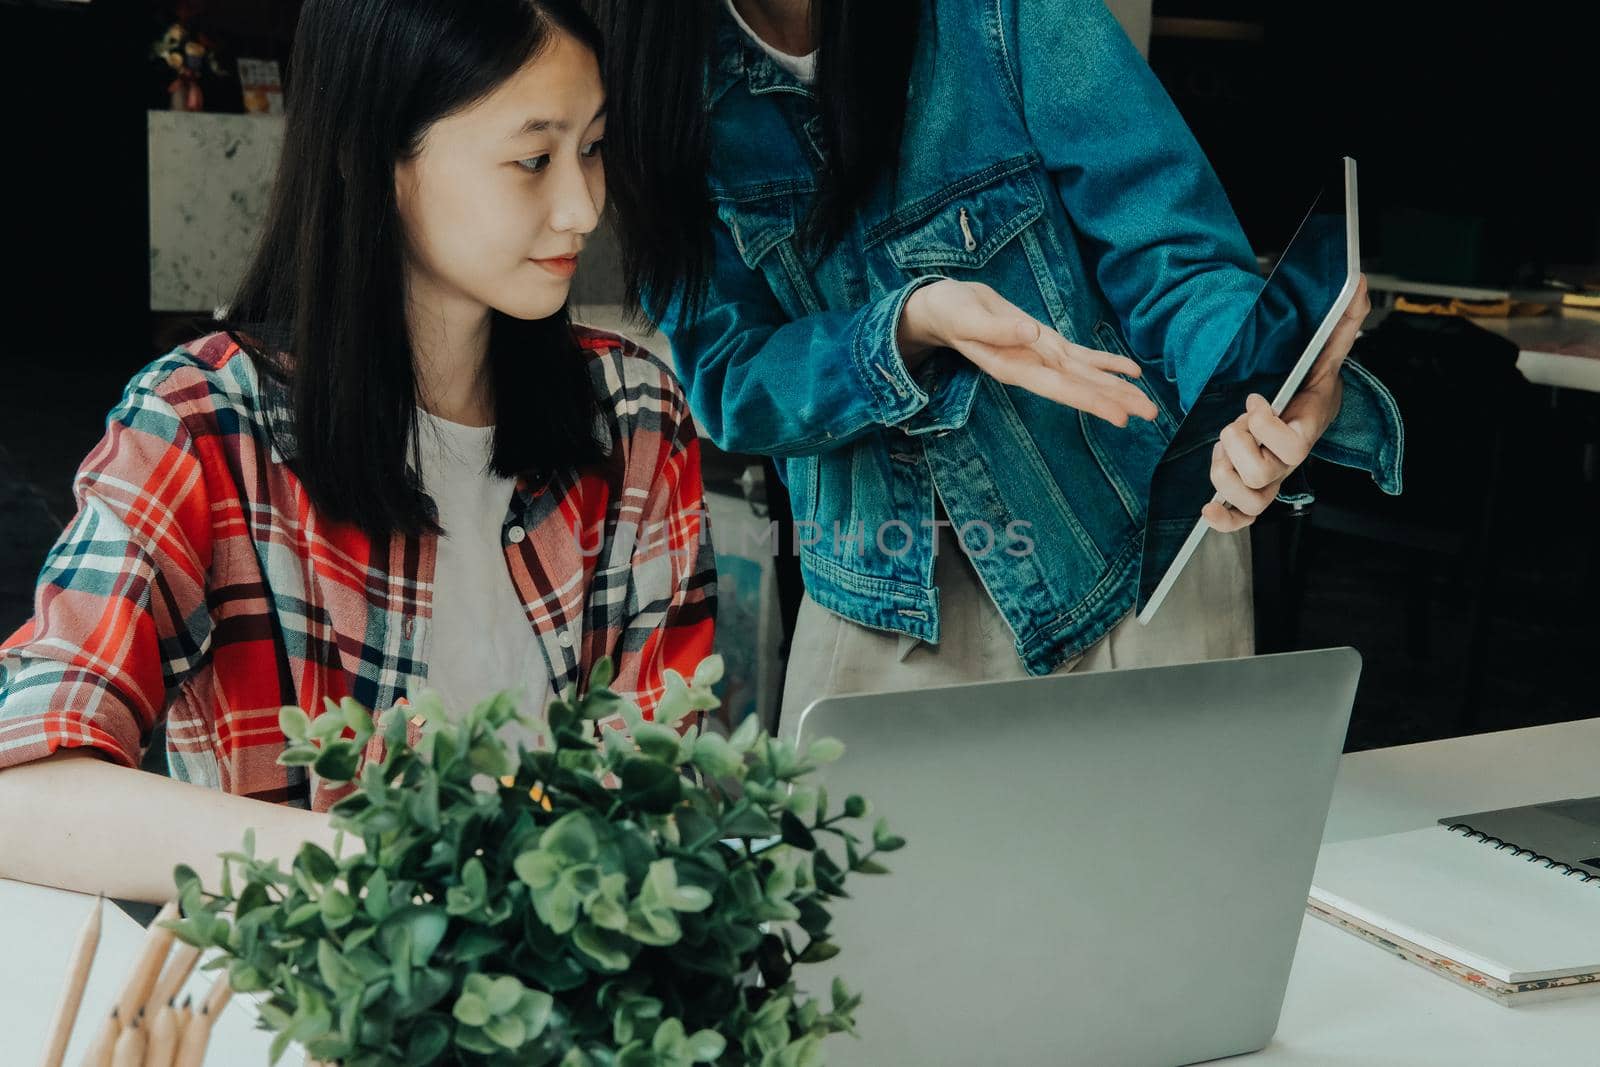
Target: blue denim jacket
x=1042, y=157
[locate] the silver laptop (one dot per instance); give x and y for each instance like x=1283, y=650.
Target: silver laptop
x=1101, y=869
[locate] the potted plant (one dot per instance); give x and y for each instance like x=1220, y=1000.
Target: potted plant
x=644, y=900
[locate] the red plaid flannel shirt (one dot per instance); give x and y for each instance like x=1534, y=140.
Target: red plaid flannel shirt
x=197, y=583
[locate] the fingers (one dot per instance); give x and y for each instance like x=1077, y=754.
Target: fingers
x=1361, y=306
x=1277, y=437
x=1098, y=393
x=1256, y=466
x=1331, y=359
x=1232, y=488
x=1003, y=330
x=1001, y=324
x=994, y=320
x=1012, y=347
x=1224, y=519
x=1123, y=397
x=1071, y=383
x=1065, y=353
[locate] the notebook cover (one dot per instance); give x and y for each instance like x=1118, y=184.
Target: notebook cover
x=1509, y=918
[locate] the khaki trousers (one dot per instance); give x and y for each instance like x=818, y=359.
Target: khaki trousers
x=1208, y=615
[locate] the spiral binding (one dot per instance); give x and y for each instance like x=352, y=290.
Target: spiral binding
x=1528, y=854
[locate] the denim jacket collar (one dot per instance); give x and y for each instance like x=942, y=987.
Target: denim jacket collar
x=736, y=57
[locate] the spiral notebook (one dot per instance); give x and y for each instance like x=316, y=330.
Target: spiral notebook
x=1520, y=912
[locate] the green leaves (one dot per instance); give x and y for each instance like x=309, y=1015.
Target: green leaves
x=337, y=909
x=470, y=897
x=750, y=822
x=651, y=786
x=294, y=723
x=554, y=920
x=498, y=1012
x=337, y=762
x=661, y=890
x=825, y=750
x=660, y=743
x=571, y=838
x=316, y=864
x=883, y=840
x=607, y=950
x=716, y=758
x=414, y=932
x=538, y=869
x=818, y=952
x=795, y=832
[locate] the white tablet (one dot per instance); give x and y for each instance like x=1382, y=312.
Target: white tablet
x=1271, y=354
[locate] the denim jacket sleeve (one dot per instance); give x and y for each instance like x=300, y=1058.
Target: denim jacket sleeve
x=1169, y=254
x=1167, y=251
x=759, y=382
x=1368, y=433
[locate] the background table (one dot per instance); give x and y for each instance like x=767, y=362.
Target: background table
x=1560, y=349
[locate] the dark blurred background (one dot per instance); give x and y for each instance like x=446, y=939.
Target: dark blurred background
x=1473, y=125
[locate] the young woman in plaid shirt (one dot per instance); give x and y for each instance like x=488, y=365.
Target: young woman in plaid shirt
x=398, y=465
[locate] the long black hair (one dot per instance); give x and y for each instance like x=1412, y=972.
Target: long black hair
x=322, y=306
x=657, y=135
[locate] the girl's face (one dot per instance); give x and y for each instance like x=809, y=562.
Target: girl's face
x=502, y=195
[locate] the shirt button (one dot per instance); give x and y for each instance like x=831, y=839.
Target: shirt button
x=565, y=638
x=516, y=534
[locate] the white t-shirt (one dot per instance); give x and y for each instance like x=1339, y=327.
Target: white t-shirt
x=480, y=639
x=802, y=67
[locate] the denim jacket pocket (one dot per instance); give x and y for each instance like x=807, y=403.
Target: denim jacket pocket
x=801, y=475
x=1109, y=339
x=964, y=226
x=989, y=227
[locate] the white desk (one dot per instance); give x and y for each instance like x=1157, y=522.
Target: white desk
x=1348, y=1002
x=1351, y=1003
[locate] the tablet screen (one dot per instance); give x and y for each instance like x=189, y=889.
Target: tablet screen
x=1273, y=345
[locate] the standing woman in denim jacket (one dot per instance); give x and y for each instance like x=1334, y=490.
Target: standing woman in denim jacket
x=961, y=268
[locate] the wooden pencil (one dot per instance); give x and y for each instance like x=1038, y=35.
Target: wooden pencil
x=72, y=993
x=196, y=1035
x=184, y=1014
x=158, y=940
x=130, y=1045
x=104, y=1043
x=217, y=999
x=163, y=1042
x=176, y=972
